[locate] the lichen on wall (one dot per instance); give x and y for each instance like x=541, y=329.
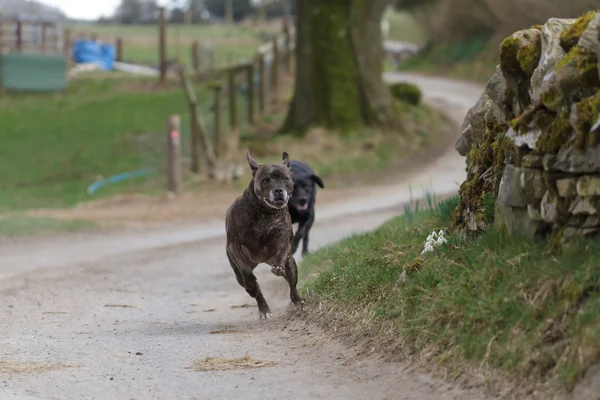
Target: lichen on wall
x=538, y=149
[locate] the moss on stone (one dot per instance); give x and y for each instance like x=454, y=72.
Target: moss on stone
x=406, y=92
x=551, y=98
x=520, y=54
x=508, y=57
x=555, y=136
x=538, y=27
x=529, y=57
x=476, y=193
x=586, y=115
x=571, y=35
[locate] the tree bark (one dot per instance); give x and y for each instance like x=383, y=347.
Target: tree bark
x=339, y=65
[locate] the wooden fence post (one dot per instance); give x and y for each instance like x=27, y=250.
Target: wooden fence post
x=195, y=154
x=44, y=39
x=119, y=49
x=174, y=154
x=251, y=96
x=162, y=44
x=67, y=42
x=217, y=105
x=200, y=130
x=261, y=83
x=232, y=100
x=19, y=35
x=196, y=56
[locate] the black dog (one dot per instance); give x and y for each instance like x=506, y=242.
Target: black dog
x=302, y=203
x=259, y=230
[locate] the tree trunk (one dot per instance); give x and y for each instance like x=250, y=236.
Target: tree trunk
x=339, y=60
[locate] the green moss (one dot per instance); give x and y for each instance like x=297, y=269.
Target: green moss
x=555, y=136
x=338, y=98
x=551, y=97
x=475, y=193
x=538, y=27
x=529, y=57
x=570, y=36
x=406, y=92
x=508, y=57
x=586, y=112
x=520, y=54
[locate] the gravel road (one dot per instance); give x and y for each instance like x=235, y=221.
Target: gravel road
x=159, y=315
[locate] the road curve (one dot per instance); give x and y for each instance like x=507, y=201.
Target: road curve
x=123, y=316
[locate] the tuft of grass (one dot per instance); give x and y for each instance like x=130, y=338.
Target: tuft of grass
x=20, y=225
x=497, y=301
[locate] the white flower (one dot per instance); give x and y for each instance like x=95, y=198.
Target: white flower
x=441, y=233
x=441, y=240
x=428, y=248
x=434, y=235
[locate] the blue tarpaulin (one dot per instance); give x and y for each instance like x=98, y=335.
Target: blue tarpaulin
x=89, y=51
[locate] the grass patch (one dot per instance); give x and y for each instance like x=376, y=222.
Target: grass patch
x=21, y=225
x=361, y=155
x=140, y=42
x=498, y=301
x=55, y=145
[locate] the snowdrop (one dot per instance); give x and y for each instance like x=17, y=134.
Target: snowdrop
x=433, y=240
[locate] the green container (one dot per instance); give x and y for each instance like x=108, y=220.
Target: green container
x=33, y=72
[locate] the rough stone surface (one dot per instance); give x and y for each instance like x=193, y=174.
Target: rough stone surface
x=567, y=187
x=538, y=136
x=549, y=208
x=549, y=160
x=532, y=161
x=534, y=212
x=515, y=221
x=588, y=186
x=520, y=186
x=578, y=162
x=552, y=53
x=473, y=127
x=584, y=205
x=589, y=38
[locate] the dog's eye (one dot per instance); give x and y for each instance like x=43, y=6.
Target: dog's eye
x=266, y=180
x=285, y=178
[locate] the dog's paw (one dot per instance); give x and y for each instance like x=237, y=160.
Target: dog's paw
x=278, y=271
x=265, y=315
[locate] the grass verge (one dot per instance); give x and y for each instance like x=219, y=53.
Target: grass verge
x=496, y=302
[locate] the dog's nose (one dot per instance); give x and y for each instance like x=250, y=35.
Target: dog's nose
x=302, y=201
x=279, y=192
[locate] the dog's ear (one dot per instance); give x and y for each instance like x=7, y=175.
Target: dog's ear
x=316, y=179
x=285, y=157
x=252, y=162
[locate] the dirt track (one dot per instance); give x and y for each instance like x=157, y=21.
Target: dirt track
x=123, y=316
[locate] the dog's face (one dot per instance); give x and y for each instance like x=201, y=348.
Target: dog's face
x=272, y=182
x=304, y=188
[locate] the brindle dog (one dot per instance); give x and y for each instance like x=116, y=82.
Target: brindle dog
x=259, y=230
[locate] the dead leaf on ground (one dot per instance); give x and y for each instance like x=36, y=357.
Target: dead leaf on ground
x=229, y=364
x=29, y=367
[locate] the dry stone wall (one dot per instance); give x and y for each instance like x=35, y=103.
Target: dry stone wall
x=532, y=141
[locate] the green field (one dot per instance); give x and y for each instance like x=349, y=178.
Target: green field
x=498, y=301
x=140, y=42
x=55, y=145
